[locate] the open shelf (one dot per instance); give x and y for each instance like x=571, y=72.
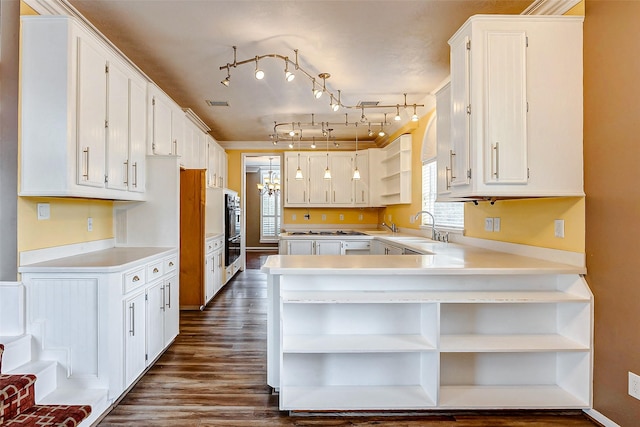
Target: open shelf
x=355, y=343
x=523, y=396
x=355, y=397
x=509, y=343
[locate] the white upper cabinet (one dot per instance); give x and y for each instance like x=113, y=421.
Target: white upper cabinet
x=193, y=154
x=295, y=190
x=392, y=185
x=515, y=108
x=216, y=164
x=341, y=190
x=166, y=123
x=80, y=119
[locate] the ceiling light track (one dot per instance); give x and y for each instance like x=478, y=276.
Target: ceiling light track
x=317, y=89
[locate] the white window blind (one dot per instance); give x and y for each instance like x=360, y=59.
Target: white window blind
x=269, y=213
x=447, y=214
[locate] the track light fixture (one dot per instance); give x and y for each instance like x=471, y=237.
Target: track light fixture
x=317, y=90
x=356, y=172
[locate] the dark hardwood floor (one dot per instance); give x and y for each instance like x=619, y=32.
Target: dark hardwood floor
x=214, y=374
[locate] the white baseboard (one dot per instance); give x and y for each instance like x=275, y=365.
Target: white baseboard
x=606, y=422
x=47, y=254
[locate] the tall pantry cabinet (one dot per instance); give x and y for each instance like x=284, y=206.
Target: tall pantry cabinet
x=201, y=239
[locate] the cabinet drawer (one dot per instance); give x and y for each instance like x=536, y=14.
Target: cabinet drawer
x=354, y=245
x=134, y=279
x=209, y=246
x=155, y=270
x=170, y=264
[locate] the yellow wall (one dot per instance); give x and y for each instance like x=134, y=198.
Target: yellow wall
x=400, y=214
x=67, y=224
x=530, y=222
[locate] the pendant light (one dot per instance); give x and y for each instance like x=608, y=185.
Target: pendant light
x=381, y=133
x=414, y=118
x=299, y=175
x=327, y=172
x=397, y=118
x=356, y=172
x=259, y=73
x=271, y=184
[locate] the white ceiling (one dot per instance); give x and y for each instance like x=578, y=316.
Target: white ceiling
x=374, y=50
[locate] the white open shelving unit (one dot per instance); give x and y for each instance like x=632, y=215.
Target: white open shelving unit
x=394, y=182
x=445, y=341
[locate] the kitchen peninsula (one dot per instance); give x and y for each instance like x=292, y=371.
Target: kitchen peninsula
x=459, y=328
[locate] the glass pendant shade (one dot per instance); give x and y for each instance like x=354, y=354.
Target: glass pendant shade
x=299, y=174
x=356, y=173
x=327, y=173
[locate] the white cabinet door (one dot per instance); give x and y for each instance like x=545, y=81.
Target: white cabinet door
x=300, y=247
x=171, y=309
x=505, y=145
x=361, y=186
x=160, y=123
x=155, y=320
x=178, y=136
x=443, y=142
x=460, y=112
x=296, y=189
x=91, y=114
x=218, y=269
x=341, y=178
x=134, y=337
x=328, y=247
x=318, y=186
x=117, y=128
x=209, y=284
x=137, y=135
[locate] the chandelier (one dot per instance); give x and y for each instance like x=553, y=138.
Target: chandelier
x=270, y=184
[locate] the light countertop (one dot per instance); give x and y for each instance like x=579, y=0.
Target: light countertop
x=104, y=261
x=444, y=258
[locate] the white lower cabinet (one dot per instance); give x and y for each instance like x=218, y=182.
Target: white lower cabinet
x=104, y=325
x=363, y=342
x=311, y=247
x=135, y=360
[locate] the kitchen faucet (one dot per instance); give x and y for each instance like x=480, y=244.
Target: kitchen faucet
x=393, y=227
x=435, y=234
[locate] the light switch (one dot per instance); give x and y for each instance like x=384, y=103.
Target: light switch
x=559, y=228
x=488, y=224
x=496, y=224
x=44, y=211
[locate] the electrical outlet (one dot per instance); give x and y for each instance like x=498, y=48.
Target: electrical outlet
x=307, y=216
x=44, y=211
x=89, y=224
x=488, y=224
x=324, y=217
x=293, y=217
x=412, y=219
x=559, y=228
x=496, y=224
x=634, y=385
x=360, y=217
x=341, y=217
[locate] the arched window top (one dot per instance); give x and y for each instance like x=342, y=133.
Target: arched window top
x=429, y=140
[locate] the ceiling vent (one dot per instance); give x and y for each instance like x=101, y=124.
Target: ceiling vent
x=217, y=103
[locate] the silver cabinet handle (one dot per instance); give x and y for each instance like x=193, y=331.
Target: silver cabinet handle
x=495, y=165
x=168, y=287
x=135, y=279
x=132, y=319
x=126, y=173
x=451, y=156
x=155, y=270
x=175, y=146
x=86, y=174
x=447, y=176
x=135, y=174
x=163, y=298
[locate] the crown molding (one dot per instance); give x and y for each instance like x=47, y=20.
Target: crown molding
x=550, y=7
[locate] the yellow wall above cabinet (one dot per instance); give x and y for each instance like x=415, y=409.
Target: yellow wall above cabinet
x=67, y=224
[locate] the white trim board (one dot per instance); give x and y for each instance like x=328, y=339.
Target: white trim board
x=606, y=422
x=47, y=254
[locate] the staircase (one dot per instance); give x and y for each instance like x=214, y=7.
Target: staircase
x=36, y=392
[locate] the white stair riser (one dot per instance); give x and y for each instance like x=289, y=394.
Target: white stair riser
x=17, y=351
